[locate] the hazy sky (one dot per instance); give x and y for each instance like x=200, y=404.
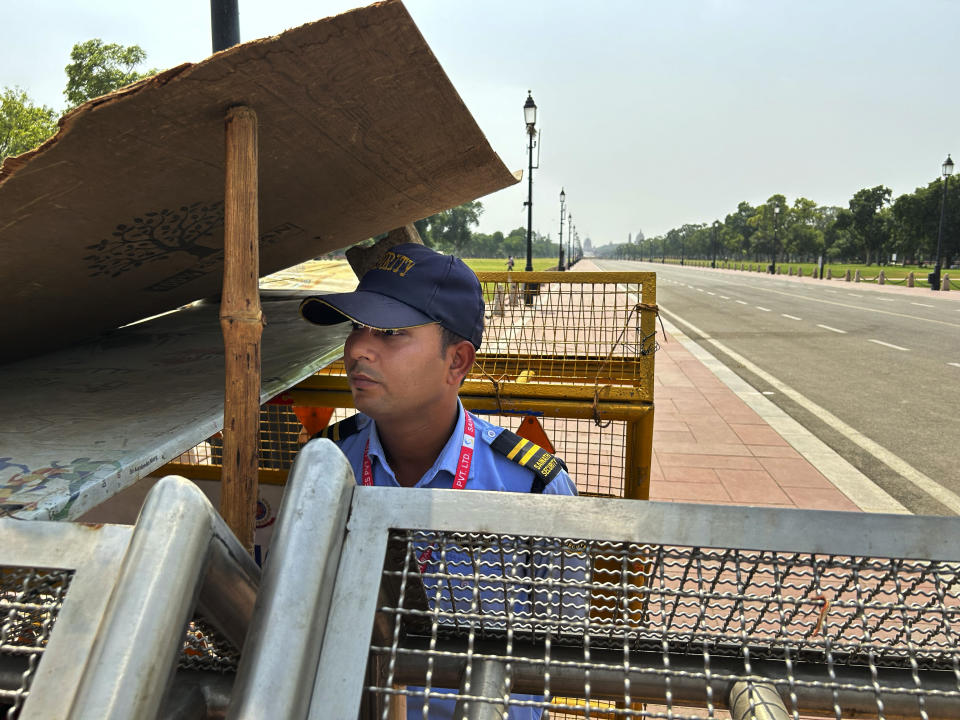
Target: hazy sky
x=653, y=113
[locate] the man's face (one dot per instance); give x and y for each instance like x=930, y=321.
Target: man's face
x=397, y=374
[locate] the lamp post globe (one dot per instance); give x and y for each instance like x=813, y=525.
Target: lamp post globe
x=946, y=170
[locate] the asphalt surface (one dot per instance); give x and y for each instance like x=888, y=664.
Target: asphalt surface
x=873, y=374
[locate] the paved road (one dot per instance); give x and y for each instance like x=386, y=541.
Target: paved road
x=874, y=374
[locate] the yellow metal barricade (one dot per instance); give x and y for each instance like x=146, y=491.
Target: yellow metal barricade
x=577, y=354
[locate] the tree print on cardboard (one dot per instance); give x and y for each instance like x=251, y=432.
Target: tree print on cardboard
x=156, y=235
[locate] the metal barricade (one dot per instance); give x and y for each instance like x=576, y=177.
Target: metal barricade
x=716, y=609
x=94, y=619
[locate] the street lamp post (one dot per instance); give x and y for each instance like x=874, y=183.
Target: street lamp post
x=773, y=250
x=716, y=227
x=563, y=201
x=569, y=240
x=934, y=278
x=530, y=118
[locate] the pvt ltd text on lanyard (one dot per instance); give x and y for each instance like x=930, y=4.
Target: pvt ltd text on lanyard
x=459, y=480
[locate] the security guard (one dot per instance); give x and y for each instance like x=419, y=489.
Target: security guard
x=417, y=324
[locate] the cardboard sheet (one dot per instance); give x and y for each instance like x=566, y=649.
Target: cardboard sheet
x=80, y=425
x=120, y=215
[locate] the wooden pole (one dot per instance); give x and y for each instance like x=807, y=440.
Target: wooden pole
x=242, y=323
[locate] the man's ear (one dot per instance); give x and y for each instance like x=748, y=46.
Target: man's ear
x=461, y=356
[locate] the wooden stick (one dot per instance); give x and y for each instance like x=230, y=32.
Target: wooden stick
x=242, y=323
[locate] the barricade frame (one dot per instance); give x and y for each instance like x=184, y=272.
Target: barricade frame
x=375, y=512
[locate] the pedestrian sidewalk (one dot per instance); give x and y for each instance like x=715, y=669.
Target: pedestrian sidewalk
x=710, y=446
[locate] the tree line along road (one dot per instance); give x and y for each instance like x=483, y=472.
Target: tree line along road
x=874, y=374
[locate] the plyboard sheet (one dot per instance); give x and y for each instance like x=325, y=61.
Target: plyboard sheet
x=120, y=215
x=79, y=425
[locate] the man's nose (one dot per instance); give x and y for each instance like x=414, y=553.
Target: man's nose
x=359, y=345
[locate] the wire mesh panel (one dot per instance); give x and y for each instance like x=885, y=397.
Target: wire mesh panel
x=594, y=456
x=206, y=649
x=482, y=604
x=557, y=326
x=30, y=602
x=621, y=624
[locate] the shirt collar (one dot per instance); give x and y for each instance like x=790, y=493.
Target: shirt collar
x=446, y=461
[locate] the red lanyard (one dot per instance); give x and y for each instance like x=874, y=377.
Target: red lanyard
x=459, y=479
x=463, y=466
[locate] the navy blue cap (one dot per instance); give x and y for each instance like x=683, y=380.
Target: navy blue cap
x=410, y=286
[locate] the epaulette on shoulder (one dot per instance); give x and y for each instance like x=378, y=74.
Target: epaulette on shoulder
x=341, y=430
x=544, y=466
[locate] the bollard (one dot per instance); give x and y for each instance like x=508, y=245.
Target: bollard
x=945, y=282
x=856, y=277
x=829, y=274
x=911, y=280
x=790, y=271
x=881, y=278
x=846, y=276
x=741, y=266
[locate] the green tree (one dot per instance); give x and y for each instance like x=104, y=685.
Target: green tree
x=449, y=230
x=802, y=236
x=99, y=68
x=740, y=230
x=23, y=125
x=868, y=224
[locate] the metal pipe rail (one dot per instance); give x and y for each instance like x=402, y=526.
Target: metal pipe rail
x=652, y=675
x=111, y=603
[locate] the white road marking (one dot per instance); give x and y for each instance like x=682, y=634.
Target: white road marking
x=759, y=307
x=710, y=293
x=889, y=345
x=769, y=392
x=742, y=302
x=954, y=364
x=921, y=304
x=791, y=317
x=699, y=289
x=858, y=487
x=724, y=297
x=832, y=329
x=886, y=299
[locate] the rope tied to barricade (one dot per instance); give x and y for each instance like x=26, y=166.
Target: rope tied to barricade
x=637, y=308
x=496, y=385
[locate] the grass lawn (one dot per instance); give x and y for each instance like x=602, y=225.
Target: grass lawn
x=500, y=264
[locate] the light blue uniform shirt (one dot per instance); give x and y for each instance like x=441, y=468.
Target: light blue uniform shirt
x=489, y=470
